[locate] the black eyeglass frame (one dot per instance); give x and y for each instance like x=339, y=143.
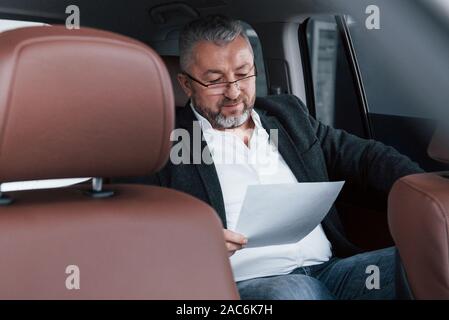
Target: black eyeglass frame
x=223, y=82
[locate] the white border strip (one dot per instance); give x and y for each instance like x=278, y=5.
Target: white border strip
x=40, y=184
x=15, y=24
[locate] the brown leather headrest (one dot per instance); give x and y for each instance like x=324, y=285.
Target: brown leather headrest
x=439, y=146
x=172, y=63
x=81, y=103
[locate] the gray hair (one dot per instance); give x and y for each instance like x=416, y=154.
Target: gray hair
x=215, y=28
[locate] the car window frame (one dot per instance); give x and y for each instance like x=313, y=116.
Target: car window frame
x=346, y=41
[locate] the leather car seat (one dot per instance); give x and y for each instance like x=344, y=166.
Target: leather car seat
x=418, y=211
x=90, y=103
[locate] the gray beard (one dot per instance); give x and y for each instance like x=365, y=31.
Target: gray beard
x=232, y=122
x=219, y=121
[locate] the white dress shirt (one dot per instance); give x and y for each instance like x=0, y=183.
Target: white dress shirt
x=239, y=166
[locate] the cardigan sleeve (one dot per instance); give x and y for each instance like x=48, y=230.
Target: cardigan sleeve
x=364, y=161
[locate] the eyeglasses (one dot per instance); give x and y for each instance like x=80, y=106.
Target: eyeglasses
x=221, y=87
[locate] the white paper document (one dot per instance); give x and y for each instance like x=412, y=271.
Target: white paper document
x=276, y=214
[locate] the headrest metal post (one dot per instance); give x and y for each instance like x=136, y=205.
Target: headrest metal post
x=5, y=200
x=97, y=189
x=97, y=184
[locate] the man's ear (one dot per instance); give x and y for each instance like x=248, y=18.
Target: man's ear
x=185, y=84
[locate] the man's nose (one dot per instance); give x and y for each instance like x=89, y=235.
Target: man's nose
x=232, y=91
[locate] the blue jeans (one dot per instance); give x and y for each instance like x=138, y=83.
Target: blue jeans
x=335, y=279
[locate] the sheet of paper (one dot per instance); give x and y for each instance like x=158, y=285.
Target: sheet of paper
x=278, y=214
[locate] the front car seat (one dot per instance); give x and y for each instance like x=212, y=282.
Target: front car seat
x=89, y=103
x=418, y=211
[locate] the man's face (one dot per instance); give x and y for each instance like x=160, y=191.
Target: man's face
x=210, y=64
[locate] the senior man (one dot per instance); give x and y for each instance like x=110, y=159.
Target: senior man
x=218, y=75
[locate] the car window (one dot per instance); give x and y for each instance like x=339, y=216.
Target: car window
x=404, y=78
x=334, y=89
x=358, y=87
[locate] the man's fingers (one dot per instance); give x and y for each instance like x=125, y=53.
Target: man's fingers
x=233, y=246
x=234, y=241
x=235, y=237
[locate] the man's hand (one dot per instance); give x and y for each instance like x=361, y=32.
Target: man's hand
x=234, y=241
